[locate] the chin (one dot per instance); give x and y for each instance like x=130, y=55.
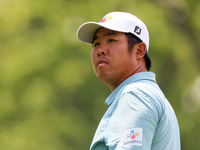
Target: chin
x=103, y=77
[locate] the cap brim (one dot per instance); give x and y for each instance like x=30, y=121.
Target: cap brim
x=87, y=30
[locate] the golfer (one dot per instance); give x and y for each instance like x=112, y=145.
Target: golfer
x=139, y=116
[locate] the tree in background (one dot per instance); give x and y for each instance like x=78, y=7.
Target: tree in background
x=50, y=97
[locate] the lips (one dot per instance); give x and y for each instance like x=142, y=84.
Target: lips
x=101, y=62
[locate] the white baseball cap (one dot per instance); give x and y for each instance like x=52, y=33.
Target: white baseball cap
x=116, y=21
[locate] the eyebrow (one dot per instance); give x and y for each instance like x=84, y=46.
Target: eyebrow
x=107, y=34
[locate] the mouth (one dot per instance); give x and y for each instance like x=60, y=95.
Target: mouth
x=101, y=62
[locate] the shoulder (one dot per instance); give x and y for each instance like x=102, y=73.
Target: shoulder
x=143, y=89
x=143, y=94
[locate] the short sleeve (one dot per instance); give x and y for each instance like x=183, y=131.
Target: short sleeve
x=133, y=123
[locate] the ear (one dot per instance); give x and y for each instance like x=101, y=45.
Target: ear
x=141, y=50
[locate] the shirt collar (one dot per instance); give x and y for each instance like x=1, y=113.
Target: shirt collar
x=138, y=76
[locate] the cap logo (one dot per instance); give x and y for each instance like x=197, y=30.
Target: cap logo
x=105, y=18
x=137, y=30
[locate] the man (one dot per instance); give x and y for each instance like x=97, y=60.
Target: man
x=139, y=116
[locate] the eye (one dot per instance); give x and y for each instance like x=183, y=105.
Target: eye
x=95, y=44
x=111, y=40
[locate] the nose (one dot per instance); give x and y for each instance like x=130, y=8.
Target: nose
x=102, y=50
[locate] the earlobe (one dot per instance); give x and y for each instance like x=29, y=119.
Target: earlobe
x=141, y=50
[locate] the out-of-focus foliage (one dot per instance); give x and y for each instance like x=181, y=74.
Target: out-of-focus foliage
x=50, y=98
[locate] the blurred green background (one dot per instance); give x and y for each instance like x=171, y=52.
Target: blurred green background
x=50, y=98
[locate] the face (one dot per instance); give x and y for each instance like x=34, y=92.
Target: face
x=111, y=59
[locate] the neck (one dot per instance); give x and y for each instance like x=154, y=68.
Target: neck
x=114, y=85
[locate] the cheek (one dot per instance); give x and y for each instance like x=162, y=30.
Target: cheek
x=93, y=58
x=123, y=59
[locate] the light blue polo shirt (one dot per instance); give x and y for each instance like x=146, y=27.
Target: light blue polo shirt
x=139, y=117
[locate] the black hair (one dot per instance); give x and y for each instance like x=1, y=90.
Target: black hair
x=132, y=40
